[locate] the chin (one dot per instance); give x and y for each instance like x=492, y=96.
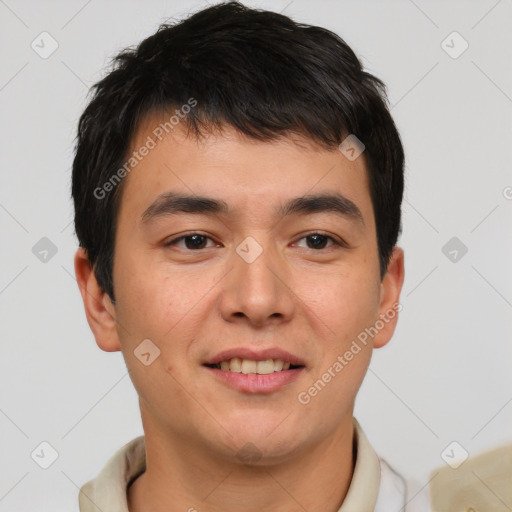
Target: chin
x=270, y=439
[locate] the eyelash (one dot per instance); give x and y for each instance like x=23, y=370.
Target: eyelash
x=190, y=235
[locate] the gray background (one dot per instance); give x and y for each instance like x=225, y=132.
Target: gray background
x=446, y=374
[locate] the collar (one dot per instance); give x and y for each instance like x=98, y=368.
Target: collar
x=107, y=491
x=364, y=486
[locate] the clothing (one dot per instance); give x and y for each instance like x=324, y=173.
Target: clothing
x=482, y=483
x=375, y=486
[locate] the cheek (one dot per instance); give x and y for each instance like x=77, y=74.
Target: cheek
x=165, y=307
x=343, y=305
x=346, y=303
x=151, y=300
x=159, y=307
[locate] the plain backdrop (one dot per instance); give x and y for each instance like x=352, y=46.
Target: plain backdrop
x=444, y=377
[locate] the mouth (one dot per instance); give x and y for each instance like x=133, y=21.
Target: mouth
x=249, y=371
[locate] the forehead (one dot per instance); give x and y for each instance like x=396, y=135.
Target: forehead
x=244, y=172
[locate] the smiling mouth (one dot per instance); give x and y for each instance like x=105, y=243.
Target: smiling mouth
x=250, y=366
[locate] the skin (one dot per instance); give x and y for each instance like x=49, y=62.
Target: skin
x=195, y=303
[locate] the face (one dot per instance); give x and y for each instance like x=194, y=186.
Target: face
x=277, y=267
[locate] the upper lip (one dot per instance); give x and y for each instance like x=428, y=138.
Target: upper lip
x=256, y=355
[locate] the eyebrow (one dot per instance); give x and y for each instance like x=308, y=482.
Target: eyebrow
x=171, y=203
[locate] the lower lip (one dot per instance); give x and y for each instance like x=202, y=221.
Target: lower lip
x=254, y=383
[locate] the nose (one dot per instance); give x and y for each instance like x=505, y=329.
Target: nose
x=258, y=291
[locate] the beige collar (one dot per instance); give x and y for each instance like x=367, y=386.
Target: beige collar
x=107, y=492
x=364, y=487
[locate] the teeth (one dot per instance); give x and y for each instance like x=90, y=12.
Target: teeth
x=235, y=365
x=265, y=367
x=248, y=366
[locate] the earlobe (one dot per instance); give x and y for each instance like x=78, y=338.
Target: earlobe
x=99, y=310
x=391, y=288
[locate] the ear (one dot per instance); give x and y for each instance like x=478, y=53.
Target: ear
x=390, y=289
x=99, y=310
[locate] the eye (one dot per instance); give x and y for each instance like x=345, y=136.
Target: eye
x=198, y=241
x=193, y=241
x=319, y=241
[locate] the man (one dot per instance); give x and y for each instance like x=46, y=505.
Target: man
x=238, y=183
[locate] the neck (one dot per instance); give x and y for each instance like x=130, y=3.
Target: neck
x=181, y=477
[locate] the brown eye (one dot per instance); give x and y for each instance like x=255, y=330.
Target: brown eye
x=195, y=241
x=318, y=241
x=192, y=242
